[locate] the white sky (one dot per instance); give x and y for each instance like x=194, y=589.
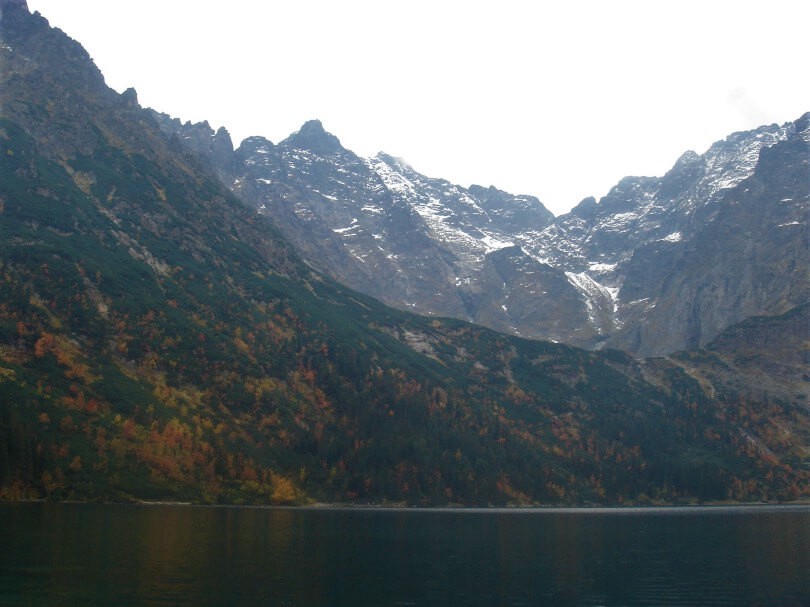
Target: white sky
x=556, y=99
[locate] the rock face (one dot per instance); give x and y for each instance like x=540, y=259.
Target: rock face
x=719, y=238
x=18, y=3
x=659, y=264
x=771, y=356
x=743, y=253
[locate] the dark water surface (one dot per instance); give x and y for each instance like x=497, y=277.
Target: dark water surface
x=72, y=554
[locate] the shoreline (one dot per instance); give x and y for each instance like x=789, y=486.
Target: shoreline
x=461, y=509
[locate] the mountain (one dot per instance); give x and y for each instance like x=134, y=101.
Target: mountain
x=658, y=265
x=376, y=225
x=718, y=239
x=162, y=340
x=768, y=357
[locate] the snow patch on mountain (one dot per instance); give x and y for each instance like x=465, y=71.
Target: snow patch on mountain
x=731, y=161
x=394, y=180
x=619, y=222
x=354, y=226
x=602, y=267
x=493, y=243
x=598, y=298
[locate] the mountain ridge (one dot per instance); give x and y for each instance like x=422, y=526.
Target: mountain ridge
x=161, y=340
x=487, y=256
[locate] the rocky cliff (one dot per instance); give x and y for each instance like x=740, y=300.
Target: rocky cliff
x=657, y=265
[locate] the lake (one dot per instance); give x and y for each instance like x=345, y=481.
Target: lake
x=83, y=554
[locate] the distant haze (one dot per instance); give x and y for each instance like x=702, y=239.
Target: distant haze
x=558, y=100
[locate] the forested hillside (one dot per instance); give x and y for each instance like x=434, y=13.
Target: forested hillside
x=160, y=341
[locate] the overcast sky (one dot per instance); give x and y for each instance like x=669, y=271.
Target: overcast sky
x=555, y=99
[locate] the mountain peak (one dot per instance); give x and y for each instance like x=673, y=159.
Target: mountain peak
x=314, y=138
x=399, y=164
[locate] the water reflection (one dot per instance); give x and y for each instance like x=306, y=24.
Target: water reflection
x=128, y=555
x=781, y=560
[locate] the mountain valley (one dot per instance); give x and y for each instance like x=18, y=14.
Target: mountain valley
x=181, y=320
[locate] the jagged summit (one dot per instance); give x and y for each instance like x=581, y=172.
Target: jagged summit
x=130, y=97
x=629, y=271
x=399, y=163
x=313, y=137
